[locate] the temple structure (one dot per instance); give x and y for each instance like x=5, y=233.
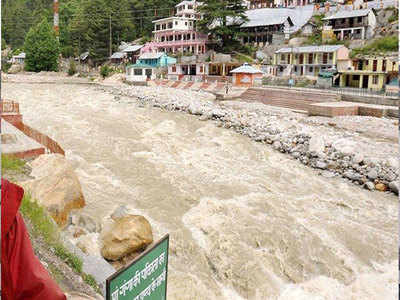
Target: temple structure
x=178, y=33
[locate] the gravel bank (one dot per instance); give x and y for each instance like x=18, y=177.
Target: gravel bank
x=363, y=150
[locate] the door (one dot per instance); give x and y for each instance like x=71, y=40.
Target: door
x=365, y=82
x=301, y=59
x=192, y=69
x=148, y=73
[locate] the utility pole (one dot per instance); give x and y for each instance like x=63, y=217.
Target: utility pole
x=110, y=36
x=56, y=18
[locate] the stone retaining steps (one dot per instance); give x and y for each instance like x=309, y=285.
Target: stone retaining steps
x=286, y=98
x=185, y=85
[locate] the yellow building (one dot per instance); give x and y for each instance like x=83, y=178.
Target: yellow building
x=370, y=72
x=308, y=60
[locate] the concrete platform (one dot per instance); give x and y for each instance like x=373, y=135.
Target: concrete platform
x=15, y=142
x=333, y=109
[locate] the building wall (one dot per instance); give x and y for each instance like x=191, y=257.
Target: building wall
x=358, y=83
x=130, y=75
x=177, y=24
x=343, y=53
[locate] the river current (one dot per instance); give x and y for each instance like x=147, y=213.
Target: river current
x=245, y=221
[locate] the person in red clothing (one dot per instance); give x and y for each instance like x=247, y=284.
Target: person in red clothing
x=22, y=274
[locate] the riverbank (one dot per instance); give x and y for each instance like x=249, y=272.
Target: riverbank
x=360, y=149
x=64, y=267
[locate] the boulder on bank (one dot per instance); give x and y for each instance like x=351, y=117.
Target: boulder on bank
x=56, y=186
x=124, y=236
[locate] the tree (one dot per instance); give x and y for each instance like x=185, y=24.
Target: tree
x=221, y=18
x=94, y=21
x=42, y=48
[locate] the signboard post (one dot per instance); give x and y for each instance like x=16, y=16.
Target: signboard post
x=145, y=278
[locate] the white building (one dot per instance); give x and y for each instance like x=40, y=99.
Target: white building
x=354, y=24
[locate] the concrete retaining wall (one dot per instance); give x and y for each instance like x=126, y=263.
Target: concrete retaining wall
x=371, y=100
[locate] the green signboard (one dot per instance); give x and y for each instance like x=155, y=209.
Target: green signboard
x=145, y=278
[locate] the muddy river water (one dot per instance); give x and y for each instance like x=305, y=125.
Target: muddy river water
x=245, y=221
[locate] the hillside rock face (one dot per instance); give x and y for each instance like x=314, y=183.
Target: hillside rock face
x=124, y=236
x=56, y=186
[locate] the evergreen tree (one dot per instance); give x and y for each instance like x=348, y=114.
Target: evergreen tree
x=221, y=18
x=90, y=28
x=42, y=48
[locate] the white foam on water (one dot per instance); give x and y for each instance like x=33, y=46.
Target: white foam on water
x=375, y=285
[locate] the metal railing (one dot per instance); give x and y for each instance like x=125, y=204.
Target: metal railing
x=340, y=90
x=8, y=106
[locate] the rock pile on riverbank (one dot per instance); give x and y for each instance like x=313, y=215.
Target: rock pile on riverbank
x=366, y=155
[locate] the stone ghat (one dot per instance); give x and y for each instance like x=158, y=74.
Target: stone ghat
x=314, y=141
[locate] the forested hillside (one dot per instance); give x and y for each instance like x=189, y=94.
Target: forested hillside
x=85, y=24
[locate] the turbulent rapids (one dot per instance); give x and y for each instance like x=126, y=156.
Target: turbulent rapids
x=246, y=222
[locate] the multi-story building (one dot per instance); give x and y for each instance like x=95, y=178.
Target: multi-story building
x=254, y=4
x=265, y=30
x=308, y=60
x=370, y=72
x=354, y=24
x=178, y=33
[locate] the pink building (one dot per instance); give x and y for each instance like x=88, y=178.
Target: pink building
x=178, y=33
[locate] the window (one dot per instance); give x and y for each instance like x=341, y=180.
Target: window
x=360, y=65
x=174, y=69
x=384, y=65
x=185, y=23
x=366, y=62
x=356, y=77
x=190, y=6
x=280, y=69
x=282, y=57
x=201, y=69
x=359, y=19
x=375, y=79
x=170, y=25
x=310, y=58
x=138, y=72
x=374, y=65
x=295, y=69
x=310, y=69
x=331, y=56
x=176, y=22
x=190, y=23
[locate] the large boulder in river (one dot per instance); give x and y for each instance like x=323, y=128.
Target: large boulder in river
x=124, y=236
x=55, y=187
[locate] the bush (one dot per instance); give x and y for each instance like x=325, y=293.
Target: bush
x=381, y=45
x=11, y=163
x=5, y=66
x=42, y=48
x=393, y=18
x=67, y=51
x=72, y=67
x=105, y=71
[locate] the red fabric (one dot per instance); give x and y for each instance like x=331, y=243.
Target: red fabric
x=22, y=274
